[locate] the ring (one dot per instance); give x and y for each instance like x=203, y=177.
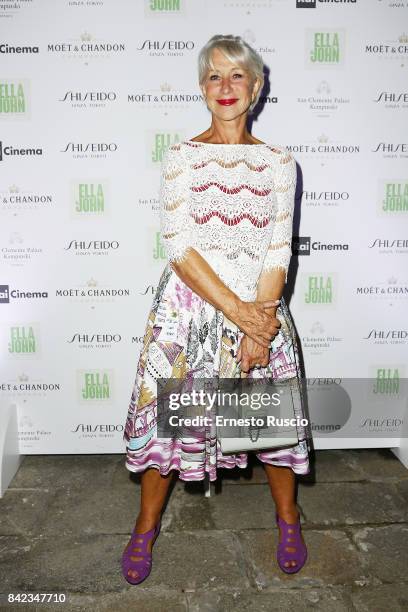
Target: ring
x=257, y=365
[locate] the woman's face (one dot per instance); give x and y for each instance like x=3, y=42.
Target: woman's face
x=229, y=89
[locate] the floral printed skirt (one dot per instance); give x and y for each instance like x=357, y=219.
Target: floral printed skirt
x=185, y=335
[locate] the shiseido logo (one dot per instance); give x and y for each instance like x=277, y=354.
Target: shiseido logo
x=390, y=147
x=150, y=289
x=101, y=428
x=94, y=245
x=5, y=48
x=386, y=334
x=391, y=96
x=385, y=243
x=79, y=338
x=89, y=96
x=166, y=45
x=90, y=147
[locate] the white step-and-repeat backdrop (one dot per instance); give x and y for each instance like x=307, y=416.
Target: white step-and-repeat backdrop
x=91, y=93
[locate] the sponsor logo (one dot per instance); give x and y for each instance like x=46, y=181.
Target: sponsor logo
x=23, y=340
x=158, y=248
x=319, y=290
x=10, y=151
x=17, y=50
x=13, y=99
x=95, y=386
x=387, y=246
x=16, y=294
x=393, y=197
x=89, y=199
x=324, y=198
x=387, y=336
x=302, y=245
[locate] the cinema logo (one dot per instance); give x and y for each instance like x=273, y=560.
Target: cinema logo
x=14, y=99
x=303, y=245
x=324, y=198
x=158, y=142
x=314, y=3
x=392, y=197
x=89, y=199
x=391, y=150
x=392, y=99
x=88, y=248
x=322, y=102
x=95, y=386
x=390, y=289
x=318, y=341
x=89, y=99
x=86, y=47
x=90, y=150
x=324, y=48
x=387, y=246
x=387, y=336
x=16, y=294
x=94, y=341
x=97, y=430
x=393, y=50
x=15, y=199
x=7, y=151
x=24, y=341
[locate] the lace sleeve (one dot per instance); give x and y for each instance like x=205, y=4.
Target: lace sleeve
x=280, y=248
x=175, y=220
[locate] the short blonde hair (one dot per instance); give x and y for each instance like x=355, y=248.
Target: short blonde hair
x=236, y=50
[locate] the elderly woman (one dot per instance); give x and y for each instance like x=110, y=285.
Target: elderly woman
x=226, y=217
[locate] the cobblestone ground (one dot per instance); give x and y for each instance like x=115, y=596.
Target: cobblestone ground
x=65, y=520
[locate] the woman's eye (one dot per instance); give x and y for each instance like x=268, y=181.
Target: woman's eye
x=237, y=74
x=213, y=75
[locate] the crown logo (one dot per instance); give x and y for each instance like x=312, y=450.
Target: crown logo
x=23, y=377
x=165, y=87
x=323, y=138
x=15, y=237
x=13, y=189
x=249, y=36
x=86, y=36
x=403, y=38
x=323, y=87
x=392, y=280
x=92, y=282
x=317, y=328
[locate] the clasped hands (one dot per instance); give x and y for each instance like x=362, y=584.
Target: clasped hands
x=260, y=326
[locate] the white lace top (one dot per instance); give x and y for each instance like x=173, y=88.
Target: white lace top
x=233, y=203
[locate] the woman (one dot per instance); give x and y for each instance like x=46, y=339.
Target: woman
x=226, y=224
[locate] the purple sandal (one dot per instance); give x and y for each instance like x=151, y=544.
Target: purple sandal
x=137, y=548
x=290, y=538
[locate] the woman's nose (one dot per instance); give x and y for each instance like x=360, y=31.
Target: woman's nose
x=226, y=86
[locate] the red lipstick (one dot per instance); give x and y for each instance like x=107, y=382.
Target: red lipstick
x=227, y=101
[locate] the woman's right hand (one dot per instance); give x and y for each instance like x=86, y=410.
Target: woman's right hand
x=253, y=319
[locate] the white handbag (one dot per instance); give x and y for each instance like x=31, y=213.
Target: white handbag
x=259, y=432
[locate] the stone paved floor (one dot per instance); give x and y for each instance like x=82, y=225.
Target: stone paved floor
x=65, y=520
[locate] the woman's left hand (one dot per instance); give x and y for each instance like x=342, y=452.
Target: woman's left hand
x=250, y=353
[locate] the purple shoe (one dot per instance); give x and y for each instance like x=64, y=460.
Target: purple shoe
x=290, y=538
x=137, y=548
